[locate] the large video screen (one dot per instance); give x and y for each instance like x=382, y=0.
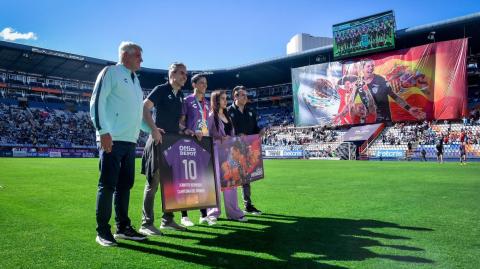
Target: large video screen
x=420, y=83
x=365, y=35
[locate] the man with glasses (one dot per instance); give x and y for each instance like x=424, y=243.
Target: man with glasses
x=244, y=121
x=167, y=100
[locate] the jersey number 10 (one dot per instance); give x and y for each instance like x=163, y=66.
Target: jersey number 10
x=190, y=169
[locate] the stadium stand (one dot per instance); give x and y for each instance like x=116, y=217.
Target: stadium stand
x=396, y=139
x=274, y=116
x=45, y=128
x=42, y=126
x=314, y=141
x=45, y=97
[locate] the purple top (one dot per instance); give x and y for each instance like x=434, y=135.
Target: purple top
x=196, y=114
x=217, y=134
x=188, y=161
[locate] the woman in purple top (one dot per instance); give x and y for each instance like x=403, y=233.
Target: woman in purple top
x=195, y=109
x=193, y=121
x=220, y=127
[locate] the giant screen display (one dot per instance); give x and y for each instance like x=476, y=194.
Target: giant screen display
x=364, y=35
x=420, y=83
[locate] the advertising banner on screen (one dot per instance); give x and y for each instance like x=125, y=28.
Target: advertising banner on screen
x=19, y=153
x=420, y=83
x=187, y=173
x=55, y=154
x=283, y=154
x=238, y=160
x=390, y=153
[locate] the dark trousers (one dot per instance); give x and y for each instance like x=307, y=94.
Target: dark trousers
x=202, y=211
x=247, y=201
x=117, y=173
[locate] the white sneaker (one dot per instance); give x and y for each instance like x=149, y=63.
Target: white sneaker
x=207, y=220
x=186, y=222
x=150, y=230
x=106, y=242
x=213, y=218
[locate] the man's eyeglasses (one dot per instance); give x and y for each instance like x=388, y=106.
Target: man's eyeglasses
x=181, y=72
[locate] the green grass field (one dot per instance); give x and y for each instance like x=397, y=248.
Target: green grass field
x=319, y=214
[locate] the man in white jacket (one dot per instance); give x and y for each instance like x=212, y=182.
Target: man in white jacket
x=116, y=110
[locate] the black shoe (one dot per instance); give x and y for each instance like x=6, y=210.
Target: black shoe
x=129, y=233
x=106, y=240
x=252, y=210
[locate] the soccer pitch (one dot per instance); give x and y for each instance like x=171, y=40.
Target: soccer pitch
x=318, y=214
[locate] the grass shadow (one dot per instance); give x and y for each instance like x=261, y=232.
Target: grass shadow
x=289, y=241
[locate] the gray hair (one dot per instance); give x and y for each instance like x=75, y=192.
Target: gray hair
x=174, y=66
x=127, y=46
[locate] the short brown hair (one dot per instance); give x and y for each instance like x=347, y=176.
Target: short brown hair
x=237, y=89
x=197, y=77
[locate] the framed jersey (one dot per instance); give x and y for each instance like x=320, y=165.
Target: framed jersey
x=187, y=174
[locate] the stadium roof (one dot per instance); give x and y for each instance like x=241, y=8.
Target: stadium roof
x=50, y=63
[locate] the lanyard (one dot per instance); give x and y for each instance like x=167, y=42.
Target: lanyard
x=202, y=108
x=203, y=111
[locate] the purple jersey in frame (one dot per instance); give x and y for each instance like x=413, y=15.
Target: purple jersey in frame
x=188, y=162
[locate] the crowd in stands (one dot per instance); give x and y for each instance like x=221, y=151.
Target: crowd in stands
x=417, y=139
x=45, y=120
x=429, y=133
x=276, y=116
x=51, y=128
x=47, y=127
x=327, y=152
x=323, y=141
x=456, y=133
x=289, y=135
x=402, y=133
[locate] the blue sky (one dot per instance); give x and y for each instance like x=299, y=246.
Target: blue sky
x=203, y=34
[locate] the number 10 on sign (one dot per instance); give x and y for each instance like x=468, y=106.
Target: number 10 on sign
x=190, y=169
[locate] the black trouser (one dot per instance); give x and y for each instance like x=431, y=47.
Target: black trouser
x=246, y=193
x=117, y=173
x=202, y=211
